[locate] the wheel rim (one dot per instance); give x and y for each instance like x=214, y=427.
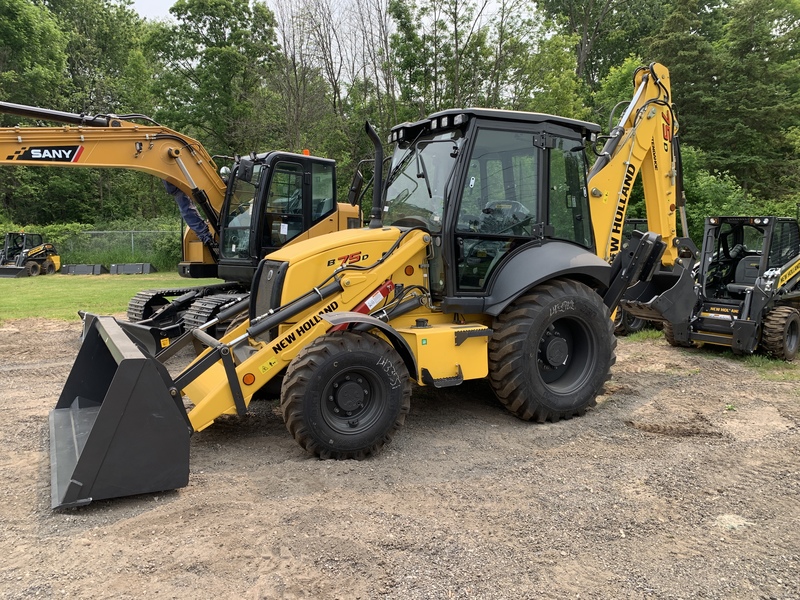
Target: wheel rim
x=352, y=401
x=633, y=323
x=565, y=355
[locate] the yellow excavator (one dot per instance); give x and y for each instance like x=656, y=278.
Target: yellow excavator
x=485, y=257
x=261, y=203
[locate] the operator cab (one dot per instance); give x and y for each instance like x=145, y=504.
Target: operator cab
x=488, y=184
x=737, y=251
x=16, y=243
x=272, y=199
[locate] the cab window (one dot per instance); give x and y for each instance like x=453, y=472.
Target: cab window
x=569, y=204
x=322, y=192
x=499, y=204
x=284, y=206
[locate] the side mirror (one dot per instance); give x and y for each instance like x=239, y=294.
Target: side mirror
x=355, y=188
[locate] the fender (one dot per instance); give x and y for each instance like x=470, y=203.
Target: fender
x=402, y=347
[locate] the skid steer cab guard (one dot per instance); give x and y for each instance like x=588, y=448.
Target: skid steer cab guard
x=119, y=427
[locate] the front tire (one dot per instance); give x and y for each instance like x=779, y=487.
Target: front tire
x=552, y=351
x=669, y=335
x=345, y=395
x=781, y=337
x=34, y=268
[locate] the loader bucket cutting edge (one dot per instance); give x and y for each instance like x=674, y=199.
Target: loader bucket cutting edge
x=116, y=430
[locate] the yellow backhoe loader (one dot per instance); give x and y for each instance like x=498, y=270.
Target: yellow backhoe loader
x=485, y=256
x=263, y=202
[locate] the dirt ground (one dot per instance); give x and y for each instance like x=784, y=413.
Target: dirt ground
x=684, y=482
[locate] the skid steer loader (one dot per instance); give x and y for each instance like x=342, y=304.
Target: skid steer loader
x=27, y=255
x=485, y=256
x=747, y=296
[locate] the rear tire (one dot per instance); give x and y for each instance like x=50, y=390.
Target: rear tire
x=552, y=351
x=49, y=267
x=345, y=395
x=781, y=337
x=33, y=268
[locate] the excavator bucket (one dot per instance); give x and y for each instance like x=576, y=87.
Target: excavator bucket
x=119, y=427
x=669, y=296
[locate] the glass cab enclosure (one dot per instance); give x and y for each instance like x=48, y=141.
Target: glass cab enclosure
x=486, y=183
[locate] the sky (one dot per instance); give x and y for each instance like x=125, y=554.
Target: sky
x=153, y=9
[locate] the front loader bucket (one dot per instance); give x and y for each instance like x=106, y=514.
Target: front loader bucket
x=13, y=272
x=117, y=430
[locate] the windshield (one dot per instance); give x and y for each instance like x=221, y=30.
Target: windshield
x=416, y=185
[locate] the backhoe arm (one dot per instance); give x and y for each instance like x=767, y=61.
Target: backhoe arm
x=115, y=142
x=643, y=141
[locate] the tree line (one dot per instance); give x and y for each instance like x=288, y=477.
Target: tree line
x=243, y=75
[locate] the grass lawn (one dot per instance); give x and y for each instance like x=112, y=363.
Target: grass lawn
x=61, y=296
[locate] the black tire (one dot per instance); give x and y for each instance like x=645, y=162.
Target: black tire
x=552, y=351
x=49, y=267
x=33, y=268
x=345, y=395
x=669, y=335
x=236, y=321
x=781, y=336
x=625, y=323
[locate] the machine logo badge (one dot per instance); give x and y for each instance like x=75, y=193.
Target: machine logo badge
x=50, y=153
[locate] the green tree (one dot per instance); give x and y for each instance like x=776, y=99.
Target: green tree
x=442, y=54
x=606, y=31
x=215, y=64
x=758, y=96
x=106, y=67
x=32, y=55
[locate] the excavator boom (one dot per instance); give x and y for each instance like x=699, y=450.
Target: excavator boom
x=115, y=142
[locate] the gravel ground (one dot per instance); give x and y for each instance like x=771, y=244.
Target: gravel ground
x=682, y=483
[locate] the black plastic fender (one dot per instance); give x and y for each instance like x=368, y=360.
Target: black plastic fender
x=402, y=347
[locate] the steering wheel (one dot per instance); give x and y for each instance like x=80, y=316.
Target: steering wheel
x=502, y=216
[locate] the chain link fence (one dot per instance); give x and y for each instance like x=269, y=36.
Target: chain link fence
x=162, y=249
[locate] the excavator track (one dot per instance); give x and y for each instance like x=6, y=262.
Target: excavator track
x=206, y=308
x=142, y=305
x=145, y=303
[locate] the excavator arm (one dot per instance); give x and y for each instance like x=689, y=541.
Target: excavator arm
x=643, y=142
x=115, y=142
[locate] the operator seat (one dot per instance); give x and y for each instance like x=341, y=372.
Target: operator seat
x=747, y=271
